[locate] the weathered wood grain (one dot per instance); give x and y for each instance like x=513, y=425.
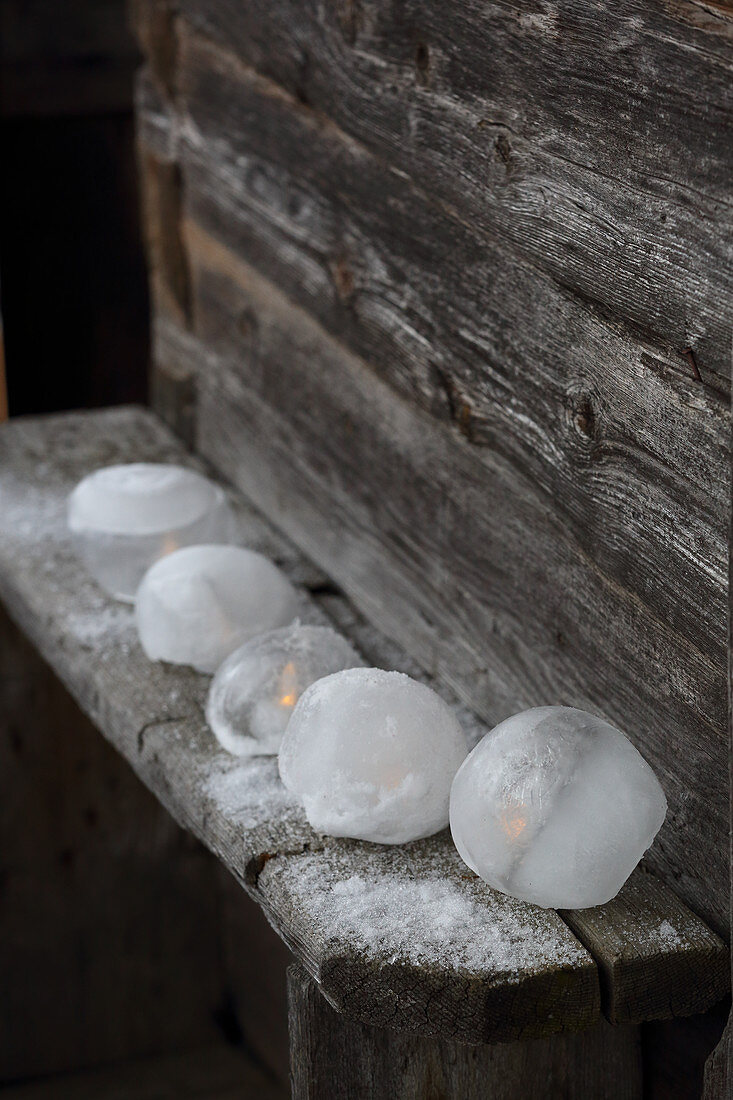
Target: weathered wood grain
x=403, y=936
x=590, y=413
x=334, y=1056
x=531, y=977
x=152, y=713
x=583, y=430
x=407, y=937
x=648, y=952
x=464, y=558
x=146, y=710
x=592, y=140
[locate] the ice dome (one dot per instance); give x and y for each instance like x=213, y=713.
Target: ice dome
x=372, y=755
x=199, y=604
x=124, y=518
x=555, y=806
x=255, y=690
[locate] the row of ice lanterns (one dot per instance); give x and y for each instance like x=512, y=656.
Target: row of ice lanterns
x=554, y=806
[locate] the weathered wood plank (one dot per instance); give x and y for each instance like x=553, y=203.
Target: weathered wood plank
x=463, y=558
x=209, y=1073
x=153, y=714
x=407, y=937
x=146, y=710
x=648, y=948
x=288, y=217
x=334, y=1056
x=593, y=140
x=473, y=964
x=632, y=461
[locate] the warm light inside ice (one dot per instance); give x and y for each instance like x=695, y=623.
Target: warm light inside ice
x=253, y=693
x=372, y=755
x=124, y=518
x=557, y=807
x=199, y=604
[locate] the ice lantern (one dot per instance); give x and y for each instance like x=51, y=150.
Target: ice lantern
x=125, y=518
x=255, y=690
x=555, y=806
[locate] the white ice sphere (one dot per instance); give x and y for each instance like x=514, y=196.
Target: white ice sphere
x=372, y=755
x=253, y=694
x=555, y=806
x=124, y=518
x=199, y=604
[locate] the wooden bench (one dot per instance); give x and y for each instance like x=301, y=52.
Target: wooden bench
x=405, y=958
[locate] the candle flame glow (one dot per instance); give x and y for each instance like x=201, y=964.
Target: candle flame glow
x=512, y=821
x=288, y=686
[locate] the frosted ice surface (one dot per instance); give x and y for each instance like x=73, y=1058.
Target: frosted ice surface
x=199, y=604
x=372, y=755
x=124, y=518
x=255, y=690
x=556, y=807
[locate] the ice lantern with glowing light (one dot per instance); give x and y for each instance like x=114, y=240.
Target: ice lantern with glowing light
x=555, y=806
x=372, y=754
x=124, y=518
x=256, y=688
x=197, y=605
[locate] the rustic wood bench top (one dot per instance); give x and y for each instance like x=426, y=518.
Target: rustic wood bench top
x=400, y=936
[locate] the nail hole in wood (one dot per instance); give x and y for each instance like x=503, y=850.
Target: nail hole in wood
x=422, y=62
x=503, y=148
x=585, y=417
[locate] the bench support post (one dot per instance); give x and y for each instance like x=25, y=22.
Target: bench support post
x=331, y=1055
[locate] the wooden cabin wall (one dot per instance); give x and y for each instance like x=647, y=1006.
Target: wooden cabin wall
x=426, y=278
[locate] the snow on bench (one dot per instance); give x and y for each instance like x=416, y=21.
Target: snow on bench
x=402, y=936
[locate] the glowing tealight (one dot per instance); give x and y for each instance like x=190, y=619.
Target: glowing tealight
x=555, y=806
x=199, y=604
x=255, y=690
x=372, y=755
x=124, y=518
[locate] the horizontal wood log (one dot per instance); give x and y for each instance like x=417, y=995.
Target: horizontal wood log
x=467, y=560
x=406, y=933
x=334, y=1056
x=592, y=140
x=291, y=220
x=577, y=550
x=632, y=463
x=502, y=969
x=153, y=713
